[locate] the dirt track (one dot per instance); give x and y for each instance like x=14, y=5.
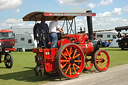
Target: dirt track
x=113, y=76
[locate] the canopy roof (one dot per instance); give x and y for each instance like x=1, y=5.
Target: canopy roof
x=37, y=16
x=121, y=28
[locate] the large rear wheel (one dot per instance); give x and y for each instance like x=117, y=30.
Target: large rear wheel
x=101, y=60
x=69, y=61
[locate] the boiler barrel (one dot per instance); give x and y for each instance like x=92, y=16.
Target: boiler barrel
x=87, y=48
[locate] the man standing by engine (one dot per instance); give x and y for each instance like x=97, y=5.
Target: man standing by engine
x=53, y=27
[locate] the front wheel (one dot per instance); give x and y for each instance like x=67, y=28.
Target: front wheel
x=9, y=60
x=69, y=61
x=101, y=60
x=88, y=63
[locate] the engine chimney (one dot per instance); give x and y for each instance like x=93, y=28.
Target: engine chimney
x=90, y=28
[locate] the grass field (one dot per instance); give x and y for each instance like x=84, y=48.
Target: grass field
x=22, y=71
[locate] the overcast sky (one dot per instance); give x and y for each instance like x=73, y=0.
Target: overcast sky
x=109, y=13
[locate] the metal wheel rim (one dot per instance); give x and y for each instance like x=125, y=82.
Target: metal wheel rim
x=102, y=60
x=71, y=61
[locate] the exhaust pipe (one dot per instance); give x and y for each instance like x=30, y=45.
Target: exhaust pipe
x=90, y=28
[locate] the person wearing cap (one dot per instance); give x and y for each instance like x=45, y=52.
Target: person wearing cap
x=53, y=27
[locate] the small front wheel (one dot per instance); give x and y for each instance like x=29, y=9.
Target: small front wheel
x=101, y=60
x=8, y=60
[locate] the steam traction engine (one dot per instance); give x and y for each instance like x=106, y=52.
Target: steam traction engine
x=74, y=52
x=122, y=41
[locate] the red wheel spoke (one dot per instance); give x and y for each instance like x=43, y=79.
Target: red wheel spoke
x=98, y=63
x=89, y=62
x=102, y=55
x=105, y=56
x=86, y=65
x=68, y=52
x=76, y=56
x=62, y=66
x=105, y=63
x=67, y=69
x=74, y=68
x=76, y=65
x=98, y=57
x=101, y=65
x=64, y=56
x=106, y=60
x=99, y=60
x=70, y=71
x=77, y=60
x=64, y=61
x=74, y=53
x=4, y=61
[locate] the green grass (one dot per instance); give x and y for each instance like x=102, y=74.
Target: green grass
x=22, y=71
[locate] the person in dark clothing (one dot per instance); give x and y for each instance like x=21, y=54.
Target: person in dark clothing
x=46, y=29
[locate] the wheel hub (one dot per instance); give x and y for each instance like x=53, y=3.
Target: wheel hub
x=8, y=60
x=103, y=60
x=86, y=59
x=72, y=61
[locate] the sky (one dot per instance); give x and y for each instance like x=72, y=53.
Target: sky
x=109, y=13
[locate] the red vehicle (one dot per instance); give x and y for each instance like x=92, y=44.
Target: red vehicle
x=74, y=52
x=6, y=46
